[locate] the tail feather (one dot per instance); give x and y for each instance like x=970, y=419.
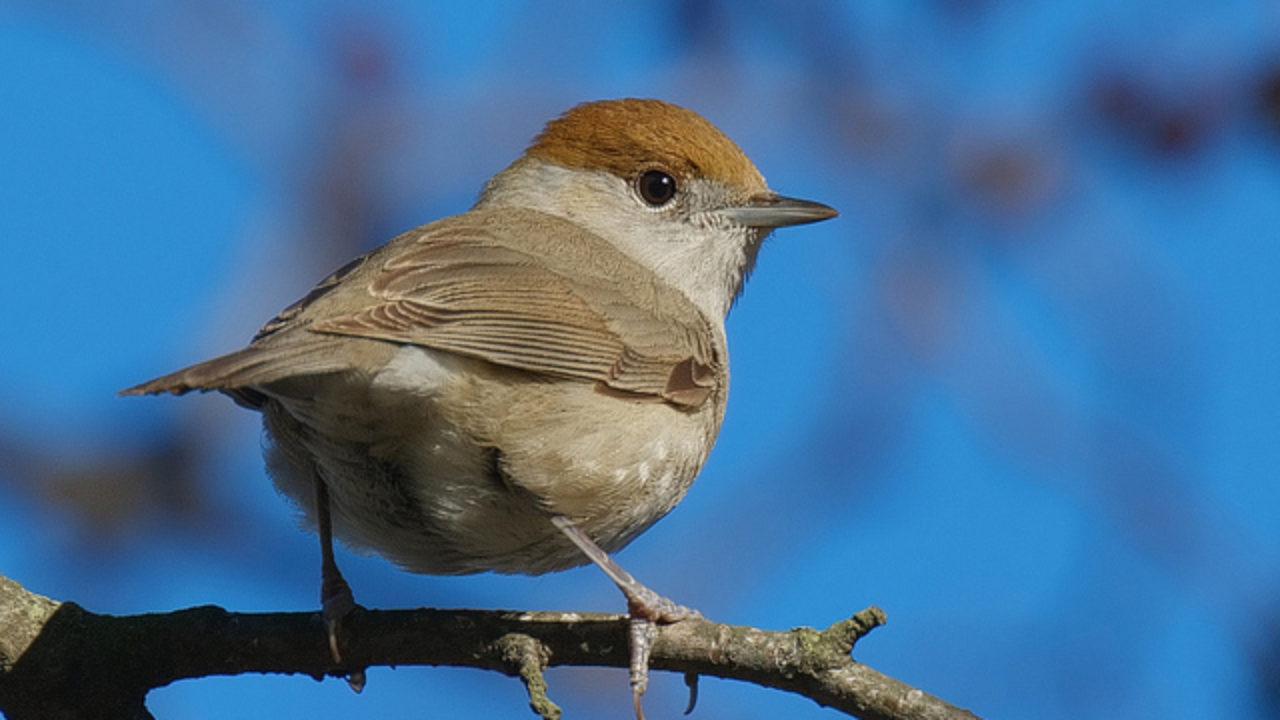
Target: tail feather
x=253, y=365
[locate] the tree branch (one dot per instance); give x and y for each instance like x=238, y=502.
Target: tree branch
x=58, y=660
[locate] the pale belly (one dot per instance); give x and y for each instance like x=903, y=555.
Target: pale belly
x=445, y=478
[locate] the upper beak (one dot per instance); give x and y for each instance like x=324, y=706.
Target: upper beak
x=772, y=210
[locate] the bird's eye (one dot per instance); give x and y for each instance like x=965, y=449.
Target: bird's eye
x=656, y=187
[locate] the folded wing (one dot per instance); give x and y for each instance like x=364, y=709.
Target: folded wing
x=513, y=287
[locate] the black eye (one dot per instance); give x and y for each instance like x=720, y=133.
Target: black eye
x=656, y=187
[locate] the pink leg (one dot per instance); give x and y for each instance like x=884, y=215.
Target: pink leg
x=336, y=599
x=645, y=607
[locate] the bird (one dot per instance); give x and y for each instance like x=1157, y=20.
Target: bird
x=529, y=385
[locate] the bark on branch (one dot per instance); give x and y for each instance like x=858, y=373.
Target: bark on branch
x=58, y=660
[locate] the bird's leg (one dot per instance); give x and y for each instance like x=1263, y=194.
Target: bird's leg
x=336, y=600
x=641, y=601
x=644, y=606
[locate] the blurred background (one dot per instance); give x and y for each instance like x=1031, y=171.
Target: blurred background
x=1022, y=394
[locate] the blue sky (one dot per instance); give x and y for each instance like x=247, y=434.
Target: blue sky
x=1021, y=394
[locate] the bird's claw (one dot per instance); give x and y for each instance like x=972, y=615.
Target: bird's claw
x=646, y=604
x=336, y=602
x=647, y=609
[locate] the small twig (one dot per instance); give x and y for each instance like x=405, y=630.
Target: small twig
x=850, y=631
x=527, y=658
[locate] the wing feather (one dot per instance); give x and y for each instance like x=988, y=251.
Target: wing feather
x=466, y=288
x=516, y=288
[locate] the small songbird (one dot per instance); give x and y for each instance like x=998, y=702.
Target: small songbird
x=531, y=384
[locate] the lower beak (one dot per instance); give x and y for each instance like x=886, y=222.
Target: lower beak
x=774, y=211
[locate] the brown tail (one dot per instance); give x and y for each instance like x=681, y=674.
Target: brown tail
x=254, y=365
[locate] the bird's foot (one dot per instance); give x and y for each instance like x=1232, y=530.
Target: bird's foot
x=336, y=603
x=646, y=609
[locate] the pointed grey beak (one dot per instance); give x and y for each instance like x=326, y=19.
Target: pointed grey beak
x=773, y=210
